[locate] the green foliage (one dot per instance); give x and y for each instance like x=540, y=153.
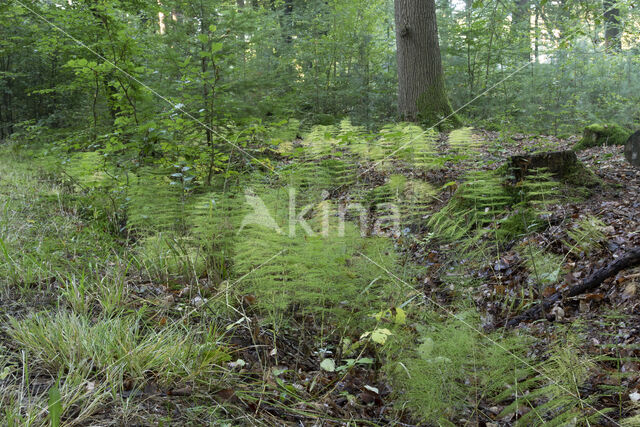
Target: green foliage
x=463, y=141
x=546, y=268
x=320, y=274
x=155, y=202
x=484, y=206
x=410, y=143
x=411, y=198
x=160, y=138
x=479, y=202
x=552, y=390
x=167, y=257
x=586, y=235
x=452, y=365
x=55, y=406
x=538, y=190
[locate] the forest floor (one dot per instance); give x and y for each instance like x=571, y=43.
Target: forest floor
x=81, y=325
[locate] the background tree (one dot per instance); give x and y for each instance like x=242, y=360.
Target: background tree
x=612, y=25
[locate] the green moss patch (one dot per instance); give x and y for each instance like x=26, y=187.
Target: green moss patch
x=603, y=134
x=581, y=176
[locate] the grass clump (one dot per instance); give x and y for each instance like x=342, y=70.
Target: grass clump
x=121, y=346
x=602, y=134
x=91, y=365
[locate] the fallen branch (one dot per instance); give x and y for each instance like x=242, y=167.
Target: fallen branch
x=629, y=260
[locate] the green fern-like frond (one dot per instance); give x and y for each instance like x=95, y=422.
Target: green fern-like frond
x=311, y=273
x=586, y=235
x=410, y=143
x=539, y=189
x=86, y=169
x=155, y=203
x=417, y=200
x=552, y=391
x=463, y=140
x=450, y=365
x=474, y=210
x=350, y=133
x=406, y=201
x=320, y=141
x=312, y=177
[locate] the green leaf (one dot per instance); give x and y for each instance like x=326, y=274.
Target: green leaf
x=55, y=406
x=378, y=335
x=328, y=365
x=216, y=47
x=5, y=373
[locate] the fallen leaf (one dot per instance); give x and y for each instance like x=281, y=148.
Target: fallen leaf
x=400, y=317
x=373, y=389
x=237, y=364
x=629, y=291
x=184, y=391
x=380, y=335
x=225, y=394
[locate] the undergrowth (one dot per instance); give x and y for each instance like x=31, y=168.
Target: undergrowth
x=154, y=274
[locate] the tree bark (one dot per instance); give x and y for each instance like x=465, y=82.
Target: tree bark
x=521, y=29
x=421, y=86
x=612, y=31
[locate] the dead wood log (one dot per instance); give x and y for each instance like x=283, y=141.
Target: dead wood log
x=629, y=260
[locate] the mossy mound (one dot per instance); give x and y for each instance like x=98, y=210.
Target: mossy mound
x=602, y=134
x=581, y=176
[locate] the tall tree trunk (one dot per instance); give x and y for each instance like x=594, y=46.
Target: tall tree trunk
x=421, y=88
x=287, y=21
x=521, y=29
x=612, y=31
x=468, y=42
x=536, y=50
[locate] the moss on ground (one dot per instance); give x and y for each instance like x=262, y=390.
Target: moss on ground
x=581, y=176
x=596, y=135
